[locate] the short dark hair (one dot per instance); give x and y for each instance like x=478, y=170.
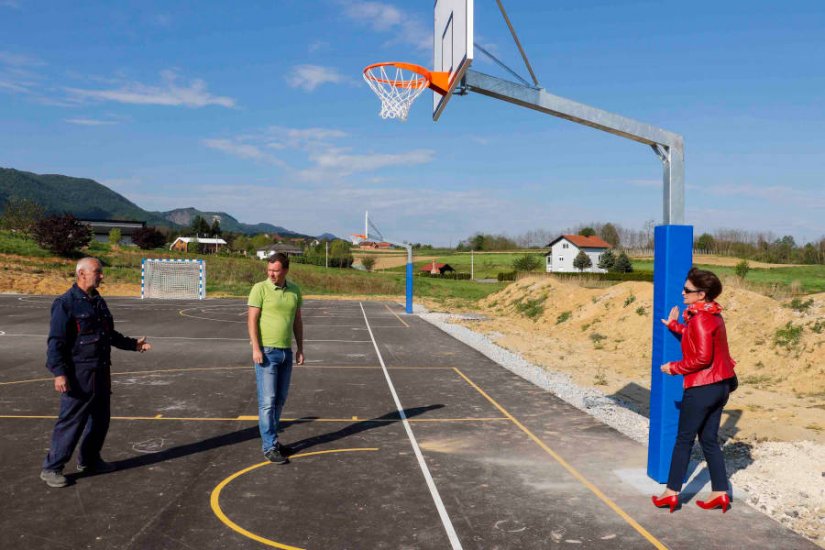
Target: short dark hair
x=706, y=281
x=280, y=257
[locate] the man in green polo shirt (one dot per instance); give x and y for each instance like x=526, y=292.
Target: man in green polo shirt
x=274, y=316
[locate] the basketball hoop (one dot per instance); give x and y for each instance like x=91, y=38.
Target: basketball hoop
x=397, y=85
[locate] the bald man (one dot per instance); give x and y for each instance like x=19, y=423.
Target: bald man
x=81, y=336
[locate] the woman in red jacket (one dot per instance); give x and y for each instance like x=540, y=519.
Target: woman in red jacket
x=708, y=379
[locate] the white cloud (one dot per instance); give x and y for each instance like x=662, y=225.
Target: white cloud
x=317, y=46
x=334, y=163
x=386, y=18
x=89, y=121
x=237, y=148
x=19, y=60
x=170, y=93
x=309, y=77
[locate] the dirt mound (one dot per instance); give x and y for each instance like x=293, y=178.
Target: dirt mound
x=601, y=337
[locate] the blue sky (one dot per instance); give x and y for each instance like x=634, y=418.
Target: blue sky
x=258, y=109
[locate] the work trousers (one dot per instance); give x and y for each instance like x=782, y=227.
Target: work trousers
x=701, y=414
x=84, y=416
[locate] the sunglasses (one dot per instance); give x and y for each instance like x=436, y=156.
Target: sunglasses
x=687, y=290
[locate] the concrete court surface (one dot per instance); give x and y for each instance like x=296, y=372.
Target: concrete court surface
x=479, y=458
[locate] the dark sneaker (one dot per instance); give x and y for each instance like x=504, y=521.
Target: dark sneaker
x=275, y=455
x=54, y=479
x=285, y=450
x=99, y=467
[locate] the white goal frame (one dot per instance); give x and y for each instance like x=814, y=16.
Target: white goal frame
x=172, y=279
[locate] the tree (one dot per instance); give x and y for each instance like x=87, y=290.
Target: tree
x=199, y=226
x=21, y=215
x=705, y=242
x=114, y=236
x=742, y=269
x=587, y=232
x=147, y=238
x=368, y=262
x=623, y=264
x=216, y=228
x=63, y=235
x=610, y=234
x=607, y=260
x=582, y=261
x=528, y=262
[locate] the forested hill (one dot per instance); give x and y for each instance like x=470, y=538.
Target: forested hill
x=86, y=198
x=82, y=197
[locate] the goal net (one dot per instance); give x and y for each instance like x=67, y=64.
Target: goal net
x=184, y=279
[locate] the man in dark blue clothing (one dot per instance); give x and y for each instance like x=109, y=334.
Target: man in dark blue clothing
x=81, y=335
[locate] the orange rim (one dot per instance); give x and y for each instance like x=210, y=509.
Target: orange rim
x=414, y=83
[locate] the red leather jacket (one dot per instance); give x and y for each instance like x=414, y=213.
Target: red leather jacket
x=705, y=355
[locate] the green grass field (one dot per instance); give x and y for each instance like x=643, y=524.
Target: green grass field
x=486, y=265
x=809, y=279
x=233, y=275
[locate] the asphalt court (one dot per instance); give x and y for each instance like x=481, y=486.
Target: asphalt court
x=476, y=457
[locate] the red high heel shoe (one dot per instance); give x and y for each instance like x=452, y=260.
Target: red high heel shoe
x=722, y=501
x=671, y=502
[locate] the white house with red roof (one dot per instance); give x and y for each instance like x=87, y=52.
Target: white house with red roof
x=564, y=249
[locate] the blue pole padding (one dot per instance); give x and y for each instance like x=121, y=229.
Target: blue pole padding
x=673, y=257
x=409, y=308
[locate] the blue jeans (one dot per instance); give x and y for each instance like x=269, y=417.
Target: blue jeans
x=701, y=414
x=273, y=377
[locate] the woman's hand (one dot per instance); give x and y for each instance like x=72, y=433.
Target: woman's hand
x=674, y=315
x=666, y=368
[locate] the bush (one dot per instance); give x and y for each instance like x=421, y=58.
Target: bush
x=147, y=238
x=368, y=262
x=506, y=276
x=563, y=316
x=632, y=276
x=531, y=309
x=623, y=264
x=21, y=215
x=114, y=236
x=742, y=269
x=788, y=336
x=629, y=300
x=800, y=306
x=528, y=262
x=582, y=261
x=454, y=275
x=607, y=260
x=62, y=235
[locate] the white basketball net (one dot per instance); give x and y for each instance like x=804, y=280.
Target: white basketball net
x=396, y=87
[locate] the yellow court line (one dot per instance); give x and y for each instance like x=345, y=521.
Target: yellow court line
x=251, y=418
x=193, y=369
x=214, y=499
x=575, y=473
x=249, y=368
x=396, y=315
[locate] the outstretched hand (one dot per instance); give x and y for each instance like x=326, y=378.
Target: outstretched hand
x=143, y=345
x=674, y=315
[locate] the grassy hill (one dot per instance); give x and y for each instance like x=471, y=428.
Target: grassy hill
x=86, y=198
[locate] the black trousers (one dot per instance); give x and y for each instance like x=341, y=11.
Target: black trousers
x=701, y=414
x=84, y=412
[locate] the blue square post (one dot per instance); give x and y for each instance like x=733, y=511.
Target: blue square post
x=673, y=258
x=409, y=302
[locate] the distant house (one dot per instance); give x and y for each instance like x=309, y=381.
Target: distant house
x=436, y=268
x=565, y=248
x=181, y=244
x=288, y=249
x=101, y=229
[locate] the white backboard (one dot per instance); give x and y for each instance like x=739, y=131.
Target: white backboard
x=452, y=45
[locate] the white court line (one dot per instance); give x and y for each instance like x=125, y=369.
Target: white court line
x=442, y=512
